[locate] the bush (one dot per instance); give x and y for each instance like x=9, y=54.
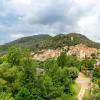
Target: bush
x=6, y=96
x=96, y=96
x=73, y=72
x=23, y=94
x=96, y=73
x=88, y=63
x=68, y=61
x=14, y=56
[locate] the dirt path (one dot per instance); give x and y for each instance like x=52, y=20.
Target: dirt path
x=84, y=83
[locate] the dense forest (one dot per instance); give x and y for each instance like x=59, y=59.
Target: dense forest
x=23, y=78
x=39, y=42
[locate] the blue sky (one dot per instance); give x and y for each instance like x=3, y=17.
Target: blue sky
x=19, y=18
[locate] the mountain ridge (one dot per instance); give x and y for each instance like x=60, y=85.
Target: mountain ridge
x=45, y=41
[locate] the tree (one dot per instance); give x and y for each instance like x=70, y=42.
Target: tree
x=36, y=94
x=9, y=78
x=73, y=72
x=73, y=62
x=20, y=78
x=23, y=94
x=93, y=55
x=28, y=72
x=14, y=56
x=48, y=87
x=6, y=96
x=88, y=63
x=61, y=60
x=50, y=67
x=68, y=61
x=61, y=78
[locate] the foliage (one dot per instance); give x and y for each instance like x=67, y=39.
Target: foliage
x=35, y=43
x=96, y=72
x=74, y=72
x=88, y=63
x=6, y=96
x=62, y=59
x=23, y=94
x=38, y=42
x=9, y=78
x=19, y=77
x=14, y=56
x=50, y=66
x=73, y=62
x=1, y=60
x=93, y=55
x=96, y=96
x=28, y=72
x=68, y=61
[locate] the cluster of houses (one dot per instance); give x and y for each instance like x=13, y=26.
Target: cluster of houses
x=45, y=54
x=81, y=51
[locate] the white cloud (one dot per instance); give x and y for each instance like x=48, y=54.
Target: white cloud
x=50, y=16
x=89, y=26
x=89, y=23
x=16, y=35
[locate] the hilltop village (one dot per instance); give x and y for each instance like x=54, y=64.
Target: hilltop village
x=81, y=51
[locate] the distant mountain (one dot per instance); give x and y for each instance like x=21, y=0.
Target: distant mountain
x=71, y=39
x=30, y=42
x=39, y=42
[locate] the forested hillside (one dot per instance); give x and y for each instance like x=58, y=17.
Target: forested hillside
x=27, y=42
x=70, y=40
x=38, y=42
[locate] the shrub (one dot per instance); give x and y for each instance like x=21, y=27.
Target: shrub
x=73, y=72
x=96, y=96
x=6, y=96
x=14, y=56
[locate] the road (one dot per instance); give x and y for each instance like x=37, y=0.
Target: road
x=84, y=83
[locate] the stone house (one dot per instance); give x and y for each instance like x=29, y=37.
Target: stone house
x=81, y=51
x=46, y=54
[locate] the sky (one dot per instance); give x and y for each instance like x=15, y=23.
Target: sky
x=19, y=18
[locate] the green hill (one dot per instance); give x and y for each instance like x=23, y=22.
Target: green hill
x=38, y=42
x=70, y=40
x=27, y=42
